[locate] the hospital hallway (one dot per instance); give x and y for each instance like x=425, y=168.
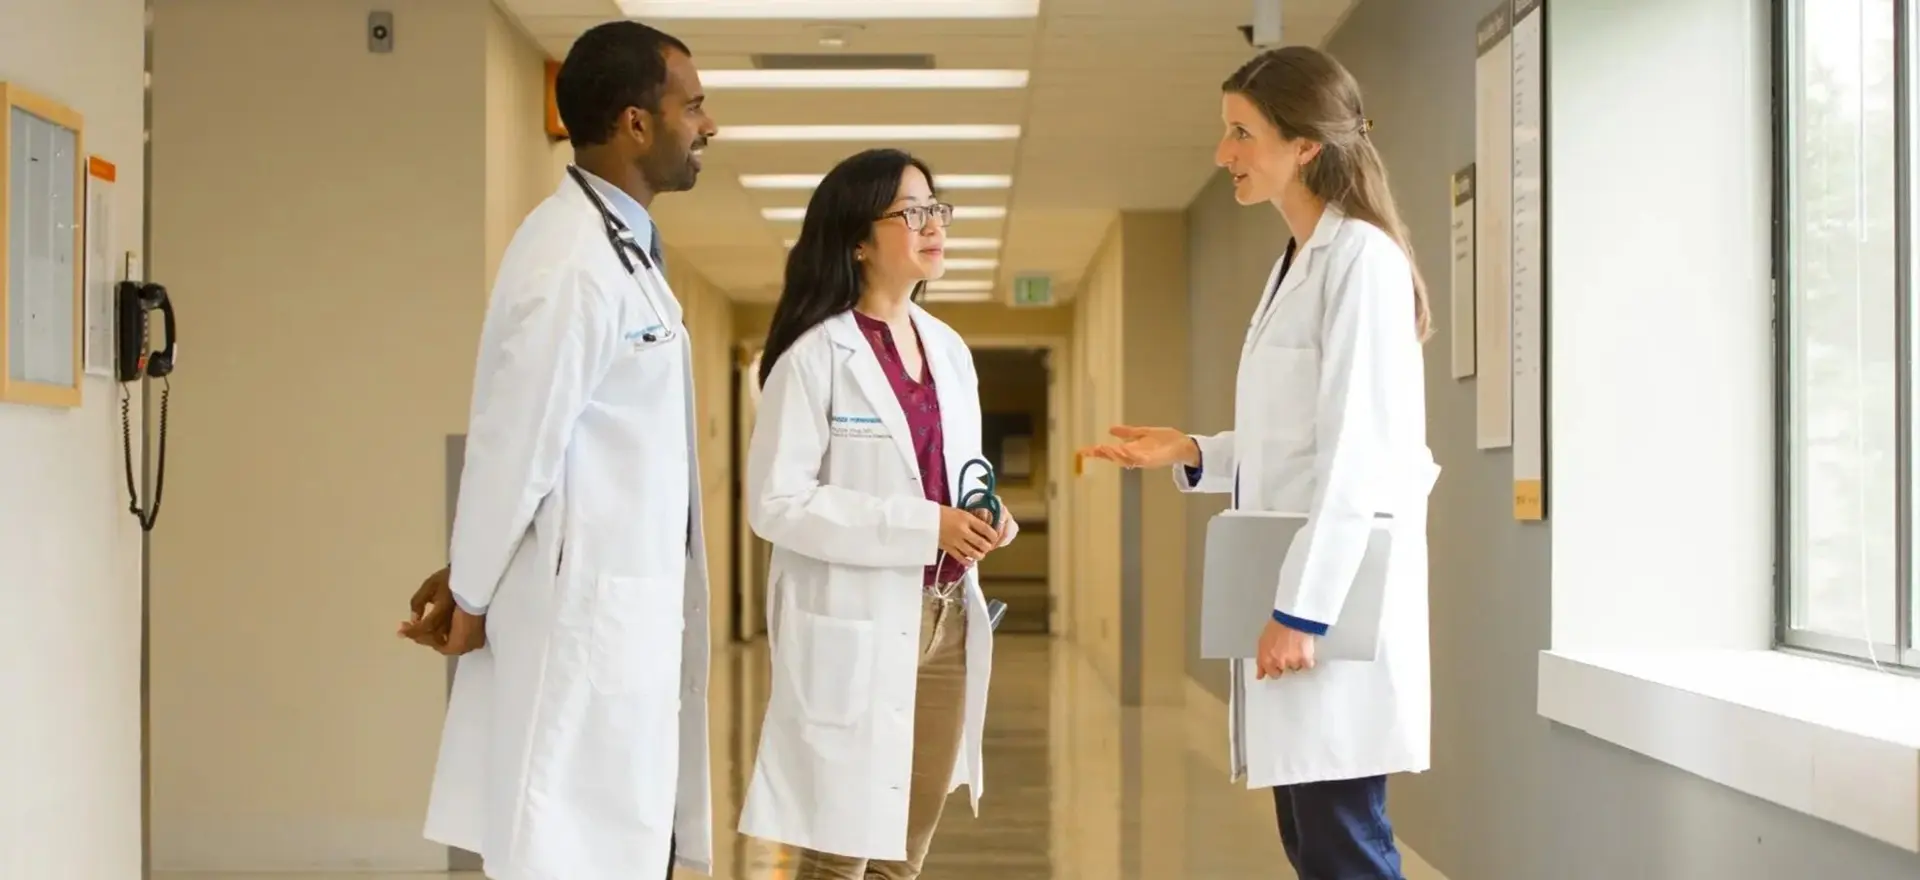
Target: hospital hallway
x=483, y=286
x=1078, y=787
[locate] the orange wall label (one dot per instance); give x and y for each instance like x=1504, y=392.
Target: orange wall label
x=555, y=128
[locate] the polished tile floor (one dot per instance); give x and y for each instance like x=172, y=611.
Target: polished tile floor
x=1078, y=788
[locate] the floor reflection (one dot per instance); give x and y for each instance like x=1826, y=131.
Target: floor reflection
x=1077, y=787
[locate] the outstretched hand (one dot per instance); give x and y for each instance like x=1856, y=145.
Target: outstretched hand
x=1146, y=448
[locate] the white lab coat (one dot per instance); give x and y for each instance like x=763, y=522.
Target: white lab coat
x=1330, y=418
x=575, y=742
x=833, y=484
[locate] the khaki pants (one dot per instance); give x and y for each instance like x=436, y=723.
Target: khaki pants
x=939, y=718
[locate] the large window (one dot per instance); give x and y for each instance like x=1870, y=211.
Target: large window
x=1847, y=337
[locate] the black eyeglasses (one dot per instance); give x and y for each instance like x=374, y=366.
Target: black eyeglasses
x=916, y=216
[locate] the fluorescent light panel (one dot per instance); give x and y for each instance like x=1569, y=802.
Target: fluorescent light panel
x=961, y=212
x=969, y=285
x=810, y=181
x=829, y=9
x=867, y=133
x=938, y=78
x=953, y=244
x=964, y=264
x=957, y=297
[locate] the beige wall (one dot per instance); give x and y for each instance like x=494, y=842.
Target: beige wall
x=331, y=241
x=69, y=551
x=1128, y=366
x=1093, y=583
x=328, y=241
x=1154, y=355
x=709, y=318
x=521, y=169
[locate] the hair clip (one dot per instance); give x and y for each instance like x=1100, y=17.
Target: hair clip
x=1366, y=125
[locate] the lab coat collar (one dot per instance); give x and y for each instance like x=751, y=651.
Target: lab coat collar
x=1324, y=233
x=844, y=331
x=629, y=210
x=1326, y=230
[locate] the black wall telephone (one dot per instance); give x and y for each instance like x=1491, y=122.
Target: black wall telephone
x=133, y=301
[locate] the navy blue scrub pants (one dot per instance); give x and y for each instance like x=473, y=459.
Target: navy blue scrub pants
x=1338, y=830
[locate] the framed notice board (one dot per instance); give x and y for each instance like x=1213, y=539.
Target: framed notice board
x=42, y=242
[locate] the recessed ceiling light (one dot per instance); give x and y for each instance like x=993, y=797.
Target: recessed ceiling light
x=966, y=285
x=870, y=133
x=953, y=244
x=961, y=212
x=956, y=297
x=754, y=78
x=829, y=9
x=809, y=181
x=973, y=244
x=962, y=264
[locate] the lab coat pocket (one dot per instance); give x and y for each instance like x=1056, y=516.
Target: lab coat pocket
x=635, y=641
x=829, y=661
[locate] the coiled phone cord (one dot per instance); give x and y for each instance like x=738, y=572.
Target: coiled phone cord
x=147, y=517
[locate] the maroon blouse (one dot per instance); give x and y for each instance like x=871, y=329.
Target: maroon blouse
x=921, y=403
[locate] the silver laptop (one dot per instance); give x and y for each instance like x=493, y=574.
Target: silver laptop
x=1246, y=550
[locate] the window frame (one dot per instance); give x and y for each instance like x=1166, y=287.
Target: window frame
x=1903, y=656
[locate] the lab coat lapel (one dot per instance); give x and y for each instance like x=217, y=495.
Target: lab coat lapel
x=1264, y=306
x=865, y=367
x=1303, y=265
x=946, y=386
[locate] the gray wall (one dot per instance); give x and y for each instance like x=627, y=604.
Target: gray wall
x=1511, y=796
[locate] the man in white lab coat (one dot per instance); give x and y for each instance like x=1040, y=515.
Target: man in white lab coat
x=575, y=745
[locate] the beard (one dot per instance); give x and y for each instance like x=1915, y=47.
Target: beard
x=674, y=172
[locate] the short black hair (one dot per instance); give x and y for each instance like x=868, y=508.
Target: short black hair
x=611, y=67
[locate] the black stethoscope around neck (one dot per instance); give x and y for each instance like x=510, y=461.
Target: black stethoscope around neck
x=621, y=237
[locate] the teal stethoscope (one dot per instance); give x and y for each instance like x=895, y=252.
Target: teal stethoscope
x=982, y=497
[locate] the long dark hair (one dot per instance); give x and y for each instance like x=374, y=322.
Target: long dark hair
x=823, y=278
x=1304, y=92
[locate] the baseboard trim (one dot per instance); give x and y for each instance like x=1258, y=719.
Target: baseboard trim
x=1207, y=735
x=295, y=845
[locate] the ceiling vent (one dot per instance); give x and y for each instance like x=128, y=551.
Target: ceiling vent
x=842, y=61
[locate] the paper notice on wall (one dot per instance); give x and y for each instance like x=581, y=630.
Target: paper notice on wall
x=1460, y=308
x=1529, y=282
x=102, y=270
x=1493, y=233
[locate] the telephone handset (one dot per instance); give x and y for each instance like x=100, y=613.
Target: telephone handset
x=134, y=302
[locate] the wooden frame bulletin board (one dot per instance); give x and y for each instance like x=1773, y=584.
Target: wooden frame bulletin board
x=42, y=250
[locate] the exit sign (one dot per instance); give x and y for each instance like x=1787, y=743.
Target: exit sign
x=1033, y=290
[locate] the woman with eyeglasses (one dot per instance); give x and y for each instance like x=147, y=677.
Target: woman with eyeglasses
x=869, y=415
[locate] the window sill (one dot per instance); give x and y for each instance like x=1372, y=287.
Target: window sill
x=1830, y=740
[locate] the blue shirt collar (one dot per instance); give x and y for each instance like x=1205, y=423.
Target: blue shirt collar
x=629, y=210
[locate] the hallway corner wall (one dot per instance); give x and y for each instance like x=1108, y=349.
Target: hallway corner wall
x=1128, y=366
x=328, y=240
x=709, y=316
x=69, y=550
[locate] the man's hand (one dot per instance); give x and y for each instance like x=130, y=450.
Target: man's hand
x=1283, y=651
x=438, y=623
x=468, y=633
